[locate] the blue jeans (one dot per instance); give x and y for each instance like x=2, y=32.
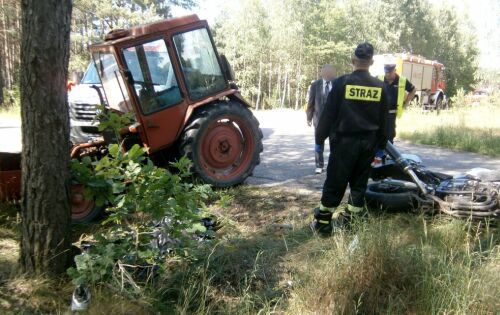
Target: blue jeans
x=318, y=154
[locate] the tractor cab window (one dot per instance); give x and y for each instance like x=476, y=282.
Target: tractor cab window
x=112, y=81
x=200, y=66
x=91, y=76
x=152, y=76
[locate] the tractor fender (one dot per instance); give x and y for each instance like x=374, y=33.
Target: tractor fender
x=232, y=94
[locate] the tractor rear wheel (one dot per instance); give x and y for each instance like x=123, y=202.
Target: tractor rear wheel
x=224, y=142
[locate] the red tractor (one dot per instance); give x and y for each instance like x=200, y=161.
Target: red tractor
x=181, y=91
x=182, y=96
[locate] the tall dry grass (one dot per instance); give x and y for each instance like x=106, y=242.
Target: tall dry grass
x=387, y=264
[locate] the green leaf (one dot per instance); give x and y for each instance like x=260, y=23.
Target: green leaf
x=114, y=149
x=197, y=227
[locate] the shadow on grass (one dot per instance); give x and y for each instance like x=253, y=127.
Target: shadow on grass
x=245, y=269
x=237, y=276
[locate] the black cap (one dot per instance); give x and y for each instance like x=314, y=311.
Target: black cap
x=364, y=51
x=388, y=67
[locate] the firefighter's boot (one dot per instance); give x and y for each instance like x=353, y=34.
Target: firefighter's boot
x=343, y=219
x=322, y=223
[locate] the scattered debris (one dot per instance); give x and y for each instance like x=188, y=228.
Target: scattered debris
x=81, y=298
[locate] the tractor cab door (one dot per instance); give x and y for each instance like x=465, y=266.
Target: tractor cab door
x=153, y=81
x=157, y=74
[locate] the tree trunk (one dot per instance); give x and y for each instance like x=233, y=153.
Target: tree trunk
x=288, y=91
x=45, y=204
x=7, y=74
x=285, y=84
x=270, y=84
x=278, y=83
x=1, y=81
x=298, y=84
x=259, y=91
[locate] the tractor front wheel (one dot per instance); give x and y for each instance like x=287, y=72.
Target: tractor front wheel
x=224, y=142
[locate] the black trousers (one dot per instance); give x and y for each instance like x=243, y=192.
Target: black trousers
x=349, y=164
x=391, y=127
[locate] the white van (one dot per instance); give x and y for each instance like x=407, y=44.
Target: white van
x=83, y=101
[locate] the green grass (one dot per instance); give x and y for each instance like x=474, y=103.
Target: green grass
x=466, y=128
x=484, y=141
x=265, y=260
x=10, y=113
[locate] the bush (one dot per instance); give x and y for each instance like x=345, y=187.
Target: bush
x=150, y=212
x=459, y=99
x=11, y=101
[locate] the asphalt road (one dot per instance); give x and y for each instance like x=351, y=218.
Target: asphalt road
x=289, y=150
x=10, y=135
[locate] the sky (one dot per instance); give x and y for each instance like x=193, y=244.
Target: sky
x=484, y=15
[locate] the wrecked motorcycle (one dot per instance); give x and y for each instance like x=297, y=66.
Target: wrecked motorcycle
x=403, y=183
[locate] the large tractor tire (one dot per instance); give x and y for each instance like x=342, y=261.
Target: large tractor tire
x=224, y=142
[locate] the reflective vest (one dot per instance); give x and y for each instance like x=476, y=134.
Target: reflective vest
x=401, y=94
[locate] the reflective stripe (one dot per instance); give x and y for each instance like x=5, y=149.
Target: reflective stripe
x=363, y=93
x=401, y=95
x=323, y=222
x=354, y=209
x=327, y=209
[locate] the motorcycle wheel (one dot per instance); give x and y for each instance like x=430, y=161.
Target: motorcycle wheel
x=392, y=196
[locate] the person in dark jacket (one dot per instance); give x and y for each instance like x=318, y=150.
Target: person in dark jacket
x=318, y=92
x=354, y=118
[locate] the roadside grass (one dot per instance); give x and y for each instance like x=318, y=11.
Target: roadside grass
x=265, y=260
x=10, y=112
x=466, y=128
x=484, y=141
x=11, y=108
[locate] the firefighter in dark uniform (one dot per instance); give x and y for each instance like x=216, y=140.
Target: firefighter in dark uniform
x=354, y=118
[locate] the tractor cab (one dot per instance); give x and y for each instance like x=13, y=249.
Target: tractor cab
x=159, y=71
